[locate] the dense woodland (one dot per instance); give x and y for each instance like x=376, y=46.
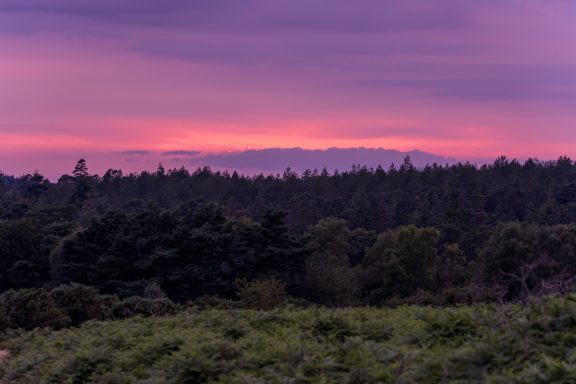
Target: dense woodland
x=437, y=235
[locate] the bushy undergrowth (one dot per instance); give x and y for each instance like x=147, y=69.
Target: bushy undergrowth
x=72, y=305
x=495, y=344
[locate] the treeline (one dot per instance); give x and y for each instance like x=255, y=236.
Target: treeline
x=198, y=251
x=437, y=235
x=455, y=199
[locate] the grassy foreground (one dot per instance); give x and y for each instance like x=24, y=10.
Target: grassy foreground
x=358, y=345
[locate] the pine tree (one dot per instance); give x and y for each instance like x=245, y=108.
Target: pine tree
x=81, y=170
x=407, y=165
x=160, y=171
x=81, y=176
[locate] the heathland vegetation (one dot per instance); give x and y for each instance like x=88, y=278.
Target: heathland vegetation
x=416, y=344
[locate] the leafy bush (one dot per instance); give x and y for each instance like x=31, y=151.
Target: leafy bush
x=153, y=290
x=206, y=302
x=331, y=326
x=262, y=294
x=451, y=328
x=333, y=285
x=31, y=308
x=136, y=305
x=83, y=303
x=4, y=318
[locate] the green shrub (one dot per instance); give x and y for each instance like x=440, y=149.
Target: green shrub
x=451, y=328
x=4, y=318
x=153, y=290
x=262, y=294
x=83, y=303
x=136, y=305
x=206, y=302
x=332, y=285
x=31, y=308
x=332, y=326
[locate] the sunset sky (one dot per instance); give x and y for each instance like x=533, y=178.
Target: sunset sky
x=120, y=81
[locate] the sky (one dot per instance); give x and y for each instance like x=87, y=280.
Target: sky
x=123, y=82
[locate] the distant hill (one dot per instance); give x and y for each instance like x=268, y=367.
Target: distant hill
x=298, y=159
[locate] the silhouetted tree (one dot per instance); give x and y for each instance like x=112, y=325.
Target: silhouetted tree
x=81, y=169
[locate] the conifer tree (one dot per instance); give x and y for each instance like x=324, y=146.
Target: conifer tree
x=81, y=169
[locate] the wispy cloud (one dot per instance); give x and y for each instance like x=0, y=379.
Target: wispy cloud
x=181, y=153
x=136, y=152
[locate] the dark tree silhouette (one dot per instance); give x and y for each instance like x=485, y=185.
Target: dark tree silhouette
x=81, y=169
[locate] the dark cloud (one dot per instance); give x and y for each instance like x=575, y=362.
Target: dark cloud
x=222, y=53
x=278, y=159
x=136, y=152
x=297, y=53
x=484, y=82
x=180, y=153
x=366, y=16
x=107, y=7
x=248, y=18
x=123, y=13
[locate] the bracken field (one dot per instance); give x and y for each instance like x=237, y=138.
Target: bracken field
x=534, y=343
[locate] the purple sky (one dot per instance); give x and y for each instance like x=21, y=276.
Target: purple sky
x=462, y=78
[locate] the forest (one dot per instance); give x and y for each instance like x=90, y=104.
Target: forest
x=441, y=235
